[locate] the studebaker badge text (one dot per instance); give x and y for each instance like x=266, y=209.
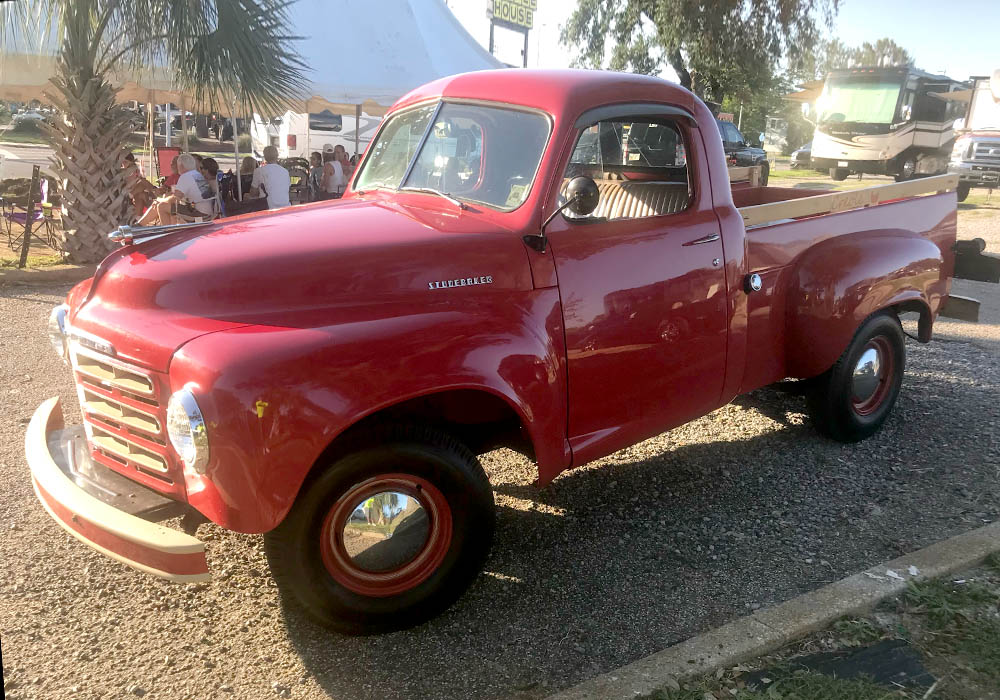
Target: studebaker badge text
x=464, y=282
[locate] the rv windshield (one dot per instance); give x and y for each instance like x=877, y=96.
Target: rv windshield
x=866, y=102
x=471, y=152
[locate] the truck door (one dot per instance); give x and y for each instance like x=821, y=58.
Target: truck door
x=642, y=284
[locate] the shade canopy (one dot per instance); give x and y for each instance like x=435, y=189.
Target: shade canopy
x=356, y=52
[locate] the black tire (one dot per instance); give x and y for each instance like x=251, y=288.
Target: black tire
x=907, y=170
x=963, y=191
x=300, y=552
x=839, y=174
x=835, y=409
x=765, y=172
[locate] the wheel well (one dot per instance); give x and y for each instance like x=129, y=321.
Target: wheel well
x=478, y=419
x=925, y=324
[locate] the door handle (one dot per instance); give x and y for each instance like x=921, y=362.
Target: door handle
x=704, y=239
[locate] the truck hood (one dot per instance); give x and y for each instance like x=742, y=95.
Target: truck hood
x=302, y=267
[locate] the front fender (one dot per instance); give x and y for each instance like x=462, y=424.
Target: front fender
x=275, y=398
x=838, y=283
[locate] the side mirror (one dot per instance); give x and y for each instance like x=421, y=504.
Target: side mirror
x=582, y=195
x=582, y=198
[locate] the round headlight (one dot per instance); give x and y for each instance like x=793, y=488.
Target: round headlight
x=57, y=330
x=187, y=431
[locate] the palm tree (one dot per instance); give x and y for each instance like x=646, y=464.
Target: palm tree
x=221, y=51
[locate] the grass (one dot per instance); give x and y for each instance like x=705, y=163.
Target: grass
x=22, y=135
x=953, y=626
x=10, y=260
x=798, y=685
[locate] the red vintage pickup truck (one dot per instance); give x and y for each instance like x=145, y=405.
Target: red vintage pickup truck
x=556, y=261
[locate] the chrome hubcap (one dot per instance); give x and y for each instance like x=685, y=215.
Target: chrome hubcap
x=386, y=531
x=867, y=374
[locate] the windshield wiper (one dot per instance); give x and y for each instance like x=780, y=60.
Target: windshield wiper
x=439, y=193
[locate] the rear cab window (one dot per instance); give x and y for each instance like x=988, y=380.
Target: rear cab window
x=639, y=165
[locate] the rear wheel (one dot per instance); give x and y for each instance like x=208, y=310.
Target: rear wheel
x=391, y=533
x=852, y=399
x=765, y=171
x=839, y=174
x=907, y=169
x=962, y=191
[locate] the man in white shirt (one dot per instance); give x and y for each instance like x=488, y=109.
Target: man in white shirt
x=272, y=179
x=191, y=195
x=333, y=181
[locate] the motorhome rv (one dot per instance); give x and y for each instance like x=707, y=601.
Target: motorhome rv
x=884, y=121
x=293, y=139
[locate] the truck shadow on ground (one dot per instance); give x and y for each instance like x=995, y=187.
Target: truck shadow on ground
x=619, y=559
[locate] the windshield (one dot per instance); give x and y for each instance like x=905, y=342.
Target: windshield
x=868, y=102
x=473, y=153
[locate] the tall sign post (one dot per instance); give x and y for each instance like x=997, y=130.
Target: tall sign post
x=516, y=15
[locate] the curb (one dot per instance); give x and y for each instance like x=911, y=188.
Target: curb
x=771, y=628
x=57, y=274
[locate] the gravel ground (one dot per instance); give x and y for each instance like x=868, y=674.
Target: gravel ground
x=744, y=508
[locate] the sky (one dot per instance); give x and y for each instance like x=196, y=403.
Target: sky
x=957, y=38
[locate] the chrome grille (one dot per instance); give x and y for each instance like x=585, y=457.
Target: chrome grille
x=123, y=417
x=986, y=152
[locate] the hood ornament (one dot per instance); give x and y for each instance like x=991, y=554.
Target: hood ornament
x=126, y=235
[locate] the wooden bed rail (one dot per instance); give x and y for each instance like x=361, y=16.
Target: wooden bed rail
x=842, y=201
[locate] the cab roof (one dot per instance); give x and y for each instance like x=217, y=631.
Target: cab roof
x=562, y=93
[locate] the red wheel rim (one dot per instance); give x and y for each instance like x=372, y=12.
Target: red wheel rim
x=380, y=584
x=885, y=371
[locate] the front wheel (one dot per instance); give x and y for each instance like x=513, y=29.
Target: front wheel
x=839, y=174
x=851, y=400
x=963, y=191
x=388, y=535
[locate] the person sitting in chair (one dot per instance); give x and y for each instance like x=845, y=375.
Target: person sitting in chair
x=190, y=196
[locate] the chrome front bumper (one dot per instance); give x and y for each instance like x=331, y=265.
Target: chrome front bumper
x=103, y=509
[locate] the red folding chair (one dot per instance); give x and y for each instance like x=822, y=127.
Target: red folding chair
x=164, y=157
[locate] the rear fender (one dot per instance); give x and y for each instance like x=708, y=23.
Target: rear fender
x=284, y=395
x=840, y=282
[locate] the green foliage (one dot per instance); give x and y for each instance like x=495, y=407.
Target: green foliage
x=221, y=50
x=943, y=601
x=825, y=56
x=4, y=114
x=722, y=49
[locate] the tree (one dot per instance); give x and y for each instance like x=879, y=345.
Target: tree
x=826, y=56
x=717, y=49
x=232, y=50
x=885, y=52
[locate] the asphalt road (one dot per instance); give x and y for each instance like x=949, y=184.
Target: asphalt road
x=743, y=508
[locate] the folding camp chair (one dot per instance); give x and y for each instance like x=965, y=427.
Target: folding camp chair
x=16, y=212
x=164, y=157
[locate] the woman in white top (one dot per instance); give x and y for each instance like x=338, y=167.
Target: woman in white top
x=333, y=173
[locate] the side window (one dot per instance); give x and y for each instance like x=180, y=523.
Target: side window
x=733, y=134
x=640, y=167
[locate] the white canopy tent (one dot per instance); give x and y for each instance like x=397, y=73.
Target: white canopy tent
x=362, y=58
x=360, y=52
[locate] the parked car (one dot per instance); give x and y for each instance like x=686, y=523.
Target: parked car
x=739, y=152
x=29, y=116
x=801, y=156
x=522, y=259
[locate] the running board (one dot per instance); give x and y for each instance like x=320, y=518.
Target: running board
x=972, y=264
x=961, y=308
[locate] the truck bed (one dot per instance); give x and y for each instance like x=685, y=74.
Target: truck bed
x=783, y=223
